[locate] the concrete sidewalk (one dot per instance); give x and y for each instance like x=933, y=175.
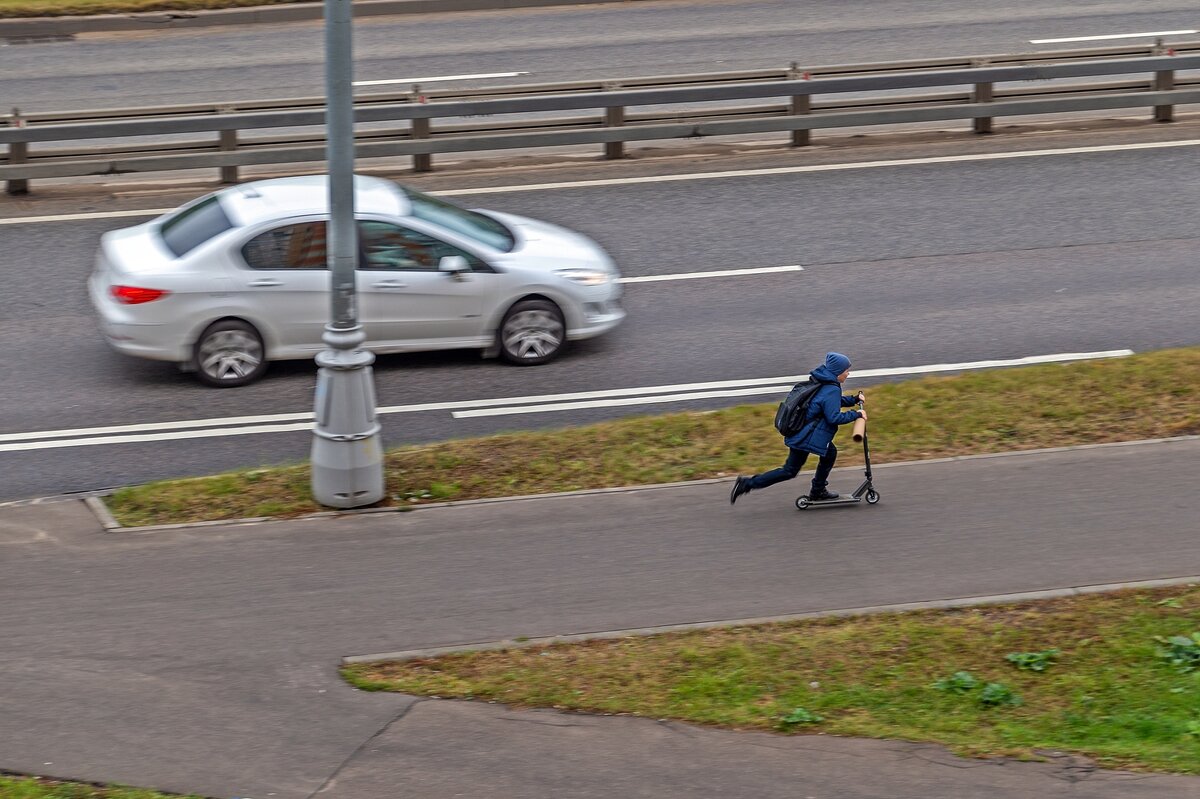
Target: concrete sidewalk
x=204, y=659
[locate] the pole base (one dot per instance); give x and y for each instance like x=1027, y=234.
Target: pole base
x=347, y=453
x=347, y=474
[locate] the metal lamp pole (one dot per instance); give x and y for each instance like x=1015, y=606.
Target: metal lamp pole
x=347, y=457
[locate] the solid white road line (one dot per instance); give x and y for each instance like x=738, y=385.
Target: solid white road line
x=793, y=170
x=437, y=78
x=384, y=410
x=151, y=426
x=169, y=436
x=784, y=383
x=736, y=173
x=80, y=217
x=1110, y=36
x=500, y=406
x=758, y=270
x=615, y=403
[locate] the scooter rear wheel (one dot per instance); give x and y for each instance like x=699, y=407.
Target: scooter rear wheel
x=801, y=503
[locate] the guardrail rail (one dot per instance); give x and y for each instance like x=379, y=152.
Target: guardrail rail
x=290, y=130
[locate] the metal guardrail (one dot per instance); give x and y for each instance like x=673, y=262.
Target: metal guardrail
x=228, y=149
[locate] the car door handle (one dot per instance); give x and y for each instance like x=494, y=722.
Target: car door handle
x=389, y=284
x=266, y=282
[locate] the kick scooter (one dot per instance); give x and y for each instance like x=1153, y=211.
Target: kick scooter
x=865, y=491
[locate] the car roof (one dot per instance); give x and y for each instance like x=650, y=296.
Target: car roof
x=281, y=198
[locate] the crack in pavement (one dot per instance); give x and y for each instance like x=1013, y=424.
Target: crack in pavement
x=331, y=780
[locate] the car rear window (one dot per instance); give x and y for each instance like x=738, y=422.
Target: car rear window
x=193, y=226
x=298, y=246
x=475, y=226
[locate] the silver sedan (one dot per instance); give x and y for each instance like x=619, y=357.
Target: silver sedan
x=238, y=278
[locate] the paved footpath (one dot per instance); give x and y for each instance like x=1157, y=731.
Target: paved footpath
x=204, y=659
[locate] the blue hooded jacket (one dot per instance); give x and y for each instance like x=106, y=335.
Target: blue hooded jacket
x=824, y=413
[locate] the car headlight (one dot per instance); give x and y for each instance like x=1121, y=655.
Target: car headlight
x=587, y=277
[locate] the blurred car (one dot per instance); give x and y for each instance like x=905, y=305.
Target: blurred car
x=238, y=278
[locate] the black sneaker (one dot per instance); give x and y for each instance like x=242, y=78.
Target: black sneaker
x=739, y=488
x=824, y=495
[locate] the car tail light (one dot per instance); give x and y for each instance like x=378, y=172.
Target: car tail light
x=134, y=295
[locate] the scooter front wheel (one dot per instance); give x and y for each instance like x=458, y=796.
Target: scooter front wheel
x=872, y=497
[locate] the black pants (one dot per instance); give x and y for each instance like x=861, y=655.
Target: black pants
x=792, y=467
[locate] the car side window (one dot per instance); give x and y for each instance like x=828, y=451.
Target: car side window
x=387, y=246
x=296, y=246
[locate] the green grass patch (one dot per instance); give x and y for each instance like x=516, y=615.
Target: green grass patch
x=68, y=8
x=1143, y=396
x=1111, y=691
x=14, y=787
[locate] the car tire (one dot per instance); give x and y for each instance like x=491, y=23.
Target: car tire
x=533, y=332
x=228, y=354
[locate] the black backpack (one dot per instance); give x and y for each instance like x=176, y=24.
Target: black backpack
x=792, y=413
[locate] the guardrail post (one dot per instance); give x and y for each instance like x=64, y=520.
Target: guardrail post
x=1164, y=81
x=18, y=153
x=227, y=142
x=614, y=117
x=801, y=104
x=421, y=129
x=982, y=94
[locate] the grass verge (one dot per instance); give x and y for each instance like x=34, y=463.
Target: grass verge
x=19, y=9
x=1083, y=674
x=14, y=787
x=1143, y=396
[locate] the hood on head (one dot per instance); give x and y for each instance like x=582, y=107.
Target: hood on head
x=836, y=362
x=823, y=374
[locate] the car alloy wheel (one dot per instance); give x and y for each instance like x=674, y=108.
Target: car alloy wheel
x=533, y=332
x=228, y=354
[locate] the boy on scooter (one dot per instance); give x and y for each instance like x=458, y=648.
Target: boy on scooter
x=824, y=415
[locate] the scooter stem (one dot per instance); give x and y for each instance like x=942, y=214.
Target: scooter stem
x=866, y=448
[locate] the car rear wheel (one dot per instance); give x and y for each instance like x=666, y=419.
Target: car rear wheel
x=229, y=353
x=533, y=332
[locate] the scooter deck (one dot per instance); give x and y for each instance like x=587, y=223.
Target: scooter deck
x=866, y=492
x=805, y=502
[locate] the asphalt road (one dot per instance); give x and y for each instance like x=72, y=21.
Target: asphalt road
x=156, y=674
x=550, y=44
x=205, y=659
x=903, y=266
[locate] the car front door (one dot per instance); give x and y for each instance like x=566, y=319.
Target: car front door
x=407, y=301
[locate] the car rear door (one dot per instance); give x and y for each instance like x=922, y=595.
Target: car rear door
x=284, y=277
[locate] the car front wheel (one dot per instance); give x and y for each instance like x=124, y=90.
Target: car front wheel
x=229, y=353
x=533, y=332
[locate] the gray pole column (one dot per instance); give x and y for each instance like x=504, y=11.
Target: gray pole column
x=347, y=457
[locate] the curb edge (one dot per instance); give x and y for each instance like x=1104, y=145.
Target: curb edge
x=96, y=502
x=167, y=20
x=936, y=604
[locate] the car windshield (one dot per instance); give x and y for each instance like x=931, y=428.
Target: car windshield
x=193, y=226
x=471, y=224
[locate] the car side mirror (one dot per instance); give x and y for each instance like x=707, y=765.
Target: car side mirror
x=454, y=265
